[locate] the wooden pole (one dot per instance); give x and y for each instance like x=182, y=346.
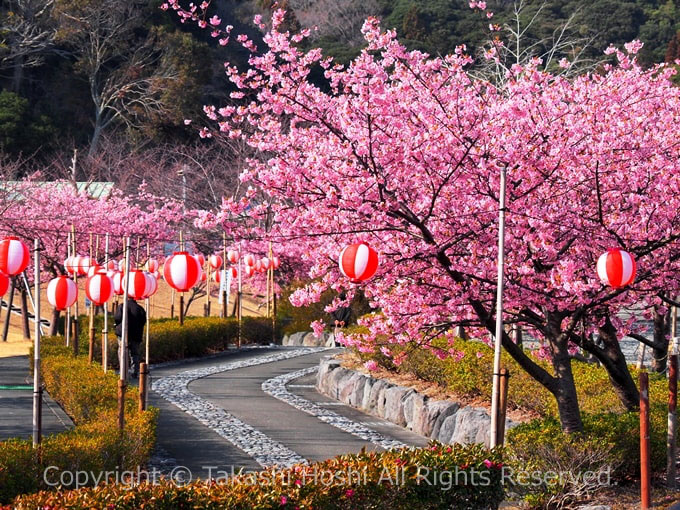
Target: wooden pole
x=37, y=382
x=25, y=326
x=146, y=333
x=671, y=439
x=5, y=330
x=645, y=466
x=75, y=311
x=270, y=280
x=240, y=294
x=207, y=292
x=143, y=367
x=225, y=305
x=503, y=405
x=172, y=304
x=105, y=331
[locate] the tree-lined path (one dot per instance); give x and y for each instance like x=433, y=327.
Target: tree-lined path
x=239, y=392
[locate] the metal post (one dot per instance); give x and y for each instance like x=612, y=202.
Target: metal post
x=495, y=395
x=671, y=439
x=123, y=341
x=32, y=301
x=645, y=466
x=105, y=331
x=75, y=309
x=37, y=383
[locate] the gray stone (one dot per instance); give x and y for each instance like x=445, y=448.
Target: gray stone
x=368, y=386
x=347, y=387
x=296, y=338
x=380, y=390
x=447, y=429
x=311, y=340
x=284, y=340
x=357, y=395
x=333, y=389
x=394, y=404
x=437, y=412
x=414, y=405
x=472, y=426
x=329, y=340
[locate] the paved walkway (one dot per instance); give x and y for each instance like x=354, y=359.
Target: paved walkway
x=16, y=406
x=237, y=391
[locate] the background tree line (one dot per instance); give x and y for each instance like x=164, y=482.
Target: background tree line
x=79, y=73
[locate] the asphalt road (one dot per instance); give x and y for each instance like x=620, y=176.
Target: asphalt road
x=194, y=445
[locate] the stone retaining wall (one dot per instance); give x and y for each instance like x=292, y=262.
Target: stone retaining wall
x=309, y=339
x=443, y=420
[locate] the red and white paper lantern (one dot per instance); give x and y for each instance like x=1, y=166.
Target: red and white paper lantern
x=94, y=269
x=616, y=268
x=249, y=270
x=358, y=262
x=152, y=286
x=62, y=292
x=111, y=265
x=181, y=271
x=276, y=263
x=4, y=283
x=138, y=285
x=249, y=260
x=117, y=280
x=99, y=288
x=215, y=261
x=232, y=256
x=201, y=259
x=152, y=265
x=217, y=276
x=84, y=265
x=14, y=256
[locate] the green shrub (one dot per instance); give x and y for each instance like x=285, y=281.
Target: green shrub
x=379, y=481
x=89, y=397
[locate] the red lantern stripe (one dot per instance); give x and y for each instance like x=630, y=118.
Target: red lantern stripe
x=4, y=283
x=99, y=289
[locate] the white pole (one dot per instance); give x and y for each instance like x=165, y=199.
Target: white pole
x=499, y=319
x=67, y=327
x=37, y=384
x=105, y=331
x=123, y=342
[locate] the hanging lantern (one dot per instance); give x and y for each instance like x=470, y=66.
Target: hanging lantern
x=204, y=276
x=62, y=292
x=215, y=261
x=258, y=266
x=201, y=259
x=94, y=269
x=111, y=265
x=99, y=288
x=181, y=271
x=266, y=263
x=232, y=256
x=151, y=285
x=616, y=268
x=117, y=283
x=249, y=260
x=14, y=256
x=217, y=276
x=84, y=265
x=152, y=265
x=276, y=263
x=4, y=284
x=249, y=270
x=138, y=284
x=71, y=265
x=358, y=262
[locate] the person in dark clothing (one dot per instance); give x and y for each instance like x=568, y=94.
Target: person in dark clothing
x=136, y=318
x=342, y=315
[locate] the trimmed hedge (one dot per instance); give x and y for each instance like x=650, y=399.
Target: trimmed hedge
x=168, y=341
x=90, y=397
x=464, y=477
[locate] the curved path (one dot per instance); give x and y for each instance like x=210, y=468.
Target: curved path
x=253, y=408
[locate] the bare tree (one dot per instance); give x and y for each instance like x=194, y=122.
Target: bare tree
x=337, y=19
x=564, y=52
x=27, y=35
x=126, y=73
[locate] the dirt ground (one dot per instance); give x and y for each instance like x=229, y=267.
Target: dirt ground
x=159, y=306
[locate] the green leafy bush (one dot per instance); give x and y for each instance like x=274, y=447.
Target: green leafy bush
x=436, y=477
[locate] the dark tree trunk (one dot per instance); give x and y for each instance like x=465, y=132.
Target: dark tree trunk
x=662, y=326
x=54, y=323
x=24, y=314
x=614, y=362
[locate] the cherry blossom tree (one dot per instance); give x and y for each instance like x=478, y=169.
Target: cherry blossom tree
x=404, y=151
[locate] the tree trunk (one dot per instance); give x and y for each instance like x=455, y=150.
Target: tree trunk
x=24, y=314
x=662, y=326
x=18, y=74
x=96, y=134
x=54, y=323
x=614, y=362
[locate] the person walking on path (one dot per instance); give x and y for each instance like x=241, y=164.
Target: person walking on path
x=136, y=321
